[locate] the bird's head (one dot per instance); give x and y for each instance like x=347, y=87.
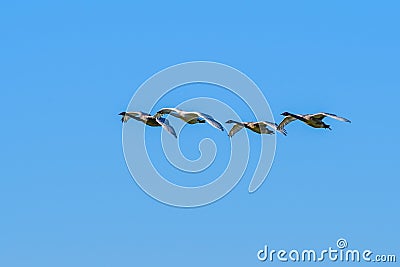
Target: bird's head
x=124, y=118
x=285, y=113
x=229, y=121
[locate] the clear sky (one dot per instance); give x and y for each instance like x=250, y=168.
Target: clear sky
x=68, y=68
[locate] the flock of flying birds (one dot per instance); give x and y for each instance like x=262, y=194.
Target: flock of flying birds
x=260, y=127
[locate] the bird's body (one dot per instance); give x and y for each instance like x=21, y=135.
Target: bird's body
x=191, y=117
x=260, y=127
x=313, y=120
x=148, y=120
x=194, y=121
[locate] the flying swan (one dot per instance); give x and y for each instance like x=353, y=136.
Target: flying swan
x=148, y=120
x=260, y=127
x=313, y=120
x=191, y=117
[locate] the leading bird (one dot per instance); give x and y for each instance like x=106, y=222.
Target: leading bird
x=313, y=120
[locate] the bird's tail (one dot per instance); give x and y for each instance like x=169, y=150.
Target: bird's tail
x=282, y=130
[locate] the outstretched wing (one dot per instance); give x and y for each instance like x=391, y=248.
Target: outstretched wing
x=167, y=111
x=166, y=126
x=209, y=119
x=262, y=128
x=177, y=113
x=137, y=115
x=322, y=115
x=284, y=122
x=273, y=126
x=236, y=128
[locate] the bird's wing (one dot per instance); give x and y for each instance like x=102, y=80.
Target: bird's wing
x=322, y=115
x=273, y=126
x=177, y=113
x=284, y=122
x=236, y=128
x=165, y=111
x=263, y=127
x=144, y=116
x=167, y=127
x=168, y=110
x=137, y=115
x=209, y=119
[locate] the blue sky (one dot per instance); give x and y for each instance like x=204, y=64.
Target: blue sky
x=68, y=68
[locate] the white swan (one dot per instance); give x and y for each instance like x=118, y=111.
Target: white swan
x=313, y=120
x=191, y=117
x=260, y=127
x=148, y=120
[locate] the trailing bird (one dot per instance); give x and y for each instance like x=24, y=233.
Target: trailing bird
x=313, y=120
x=260, y=127
x=148, y=120
x=191, y=117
